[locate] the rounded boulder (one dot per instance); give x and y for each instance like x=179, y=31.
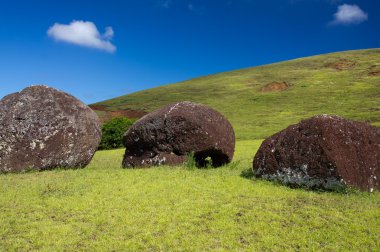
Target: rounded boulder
x=42, y=128
x=169, y=134
x=325, y=152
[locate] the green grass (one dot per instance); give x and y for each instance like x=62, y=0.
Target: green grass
x=315, y=88
x=106, y=208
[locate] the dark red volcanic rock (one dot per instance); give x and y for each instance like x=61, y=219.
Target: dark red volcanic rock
x=168, y=135
x=322, y=152
x=43, y=128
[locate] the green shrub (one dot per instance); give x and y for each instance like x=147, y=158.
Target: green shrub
x=113, y=131
x=190, y=162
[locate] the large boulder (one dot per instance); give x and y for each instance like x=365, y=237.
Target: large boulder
x=43, y=128
x=168, y=135
x=326, y=152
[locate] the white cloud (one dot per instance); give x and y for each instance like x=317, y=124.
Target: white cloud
x=349, y=14
x=83, y=33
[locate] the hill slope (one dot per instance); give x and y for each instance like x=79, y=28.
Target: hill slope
x=262, y=100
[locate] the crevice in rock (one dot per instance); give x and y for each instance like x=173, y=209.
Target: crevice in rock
x=212, y=157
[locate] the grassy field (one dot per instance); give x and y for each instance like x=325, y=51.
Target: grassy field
x=106, y=208
x=344, y=83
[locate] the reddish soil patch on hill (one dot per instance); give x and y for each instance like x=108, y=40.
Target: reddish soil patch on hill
x=342, y=64
x=128, y=113
x=109, y=114
x=275, y=86
x=374, y=73
x=98, y=107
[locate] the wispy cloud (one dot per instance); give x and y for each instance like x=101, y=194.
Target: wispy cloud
x=349, y=14
x=326, y=1
x=83, y=33
x=166, y=4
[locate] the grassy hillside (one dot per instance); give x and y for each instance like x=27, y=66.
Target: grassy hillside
x=105, y=208
x=262, y=100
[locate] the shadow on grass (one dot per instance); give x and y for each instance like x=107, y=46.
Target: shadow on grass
x=248, y=174
x=346, y=190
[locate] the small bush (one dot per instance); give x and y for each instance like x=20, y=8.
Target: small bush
x=113, y=131
x=190, y=161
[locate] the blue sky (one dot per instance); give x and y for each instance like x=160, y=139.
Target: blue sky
x=97, y=50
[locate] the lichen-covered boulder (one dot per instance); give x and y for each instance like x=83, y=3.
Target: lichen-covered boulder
x=326, y=152
x=168, y=135
x=43, y=128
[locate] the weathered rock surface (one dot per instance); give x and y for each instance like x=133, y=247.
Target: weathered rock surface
x=43, y=128
x=168, y=135
x=324, y=152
